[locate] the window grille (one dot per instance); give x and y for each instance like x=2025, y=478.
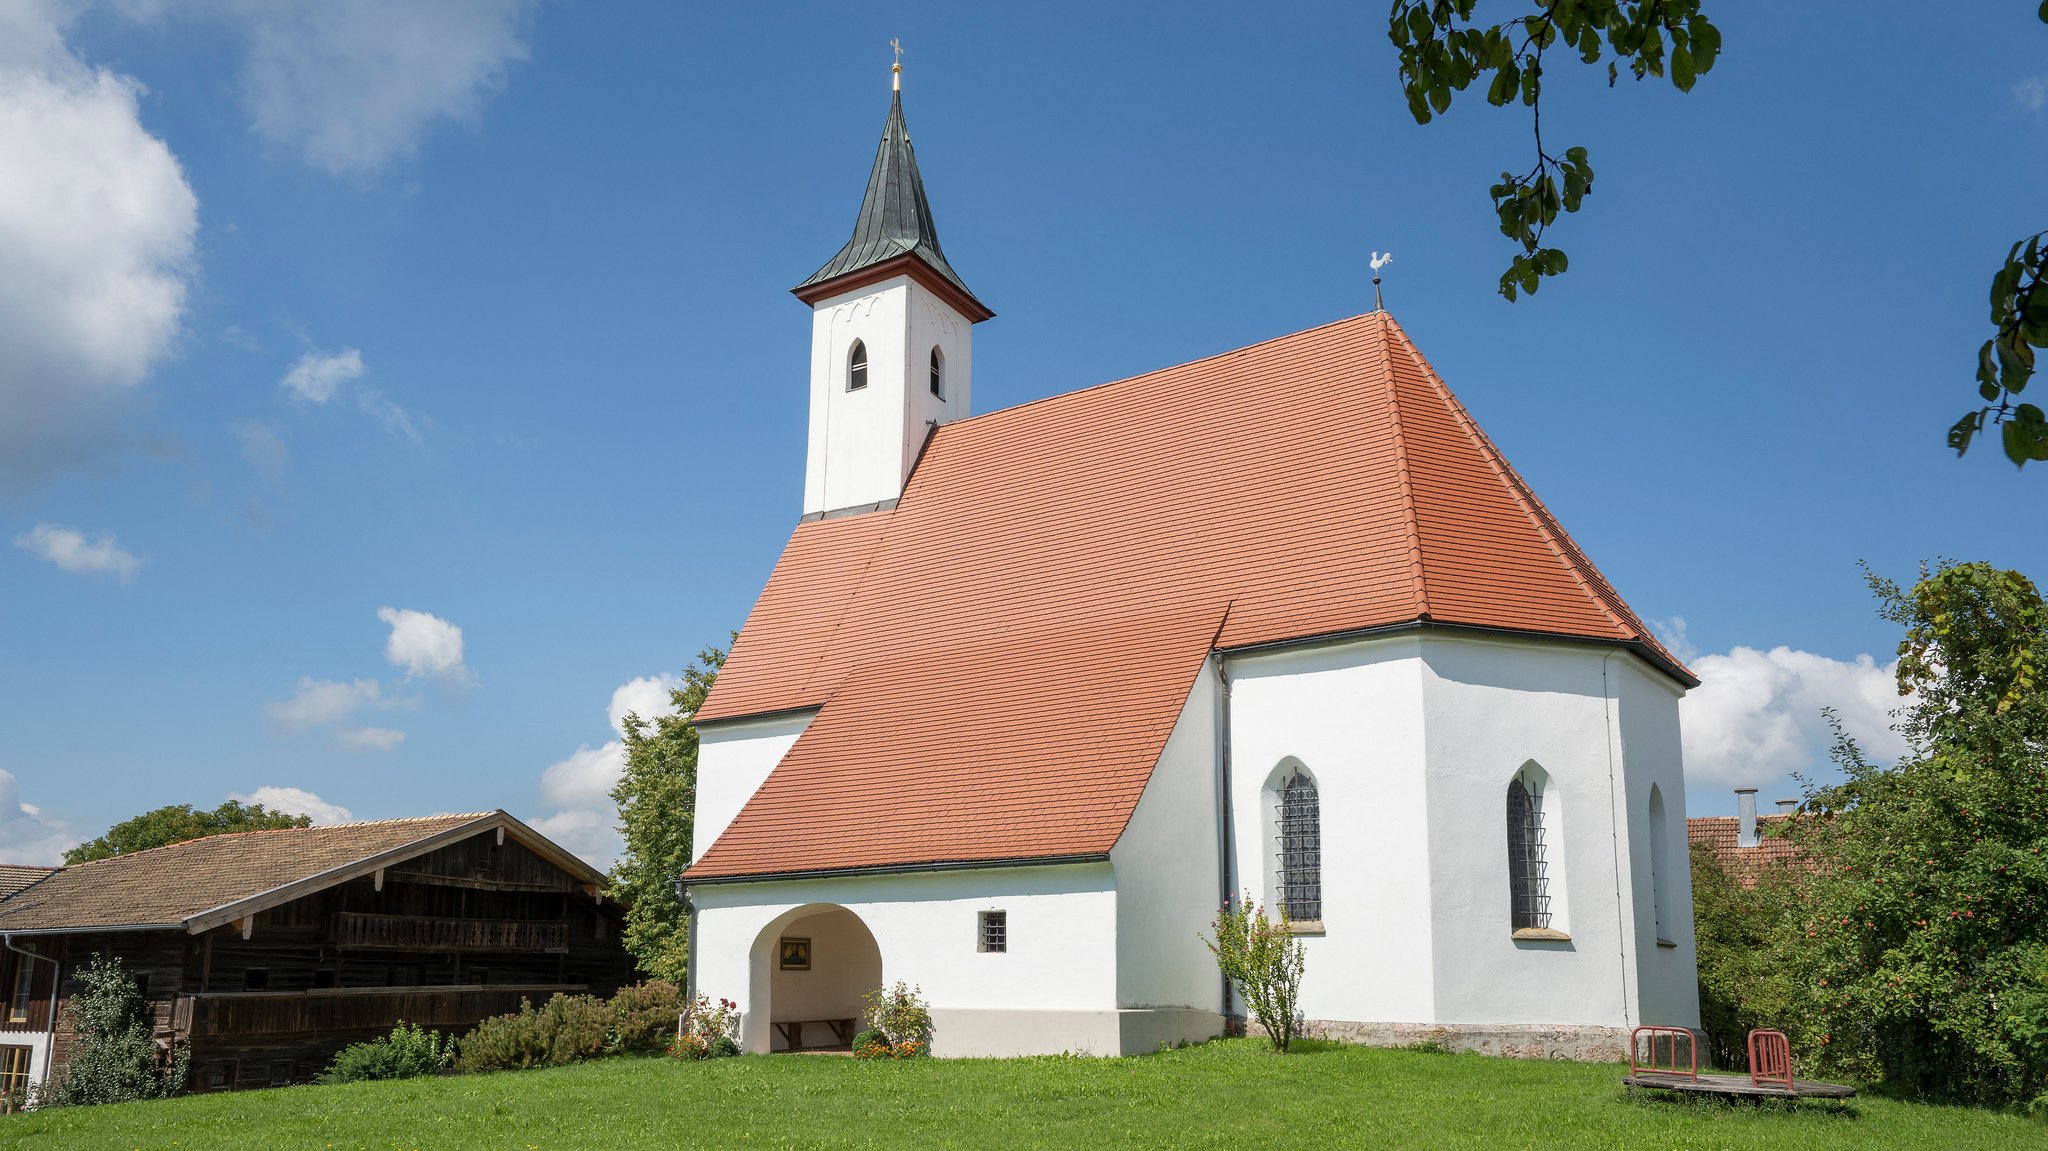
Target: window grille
x=938, y=373
x=995, y=931
x=1528, y=881
x=1300, y=838
x=857, y=367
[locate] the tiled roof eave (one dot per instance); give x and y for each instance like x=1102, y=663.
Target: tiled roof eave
x=692, y=878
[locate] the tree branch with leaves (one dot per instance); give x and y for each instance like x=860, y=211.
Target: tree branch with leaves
x=1444, y=52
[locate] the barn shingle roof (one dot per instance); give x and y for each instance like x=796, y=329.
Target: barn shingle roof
x=183, y=883
x=998, y=659
x=16, y=876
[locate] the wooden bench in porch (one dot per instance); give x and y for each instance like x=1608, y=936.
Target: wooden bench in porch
x=793, y=1032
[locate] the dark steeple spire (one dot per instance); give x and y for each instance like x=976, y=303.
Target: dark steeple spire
x=895, y=220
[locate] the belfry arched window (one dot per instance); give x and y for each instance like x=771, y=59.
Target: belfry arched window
x=938, y=372
x=1298, y=836
x=857, y=367
x=1528, y=866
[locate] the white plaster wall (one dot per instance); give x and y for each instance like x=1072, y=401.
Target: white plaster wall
x=1667, y=976
x=1061, y=957
x=1166, y=869
x=1352, y=715
x=733, y=759
x=1490, y=708
x=862, y=443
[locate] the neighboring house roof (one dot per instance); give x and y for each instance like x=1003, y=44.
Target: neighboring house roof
x=1719, y=833
x=999, y=659
x=895, y=222
x=203, y=883
x=17, y=876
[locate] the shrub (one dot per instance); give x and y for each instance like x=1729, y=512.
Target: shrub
x=646, y=1015
x=1264, y=961
x=707, y=1030
x=116, y=1058
x=900, y=1014
x=569, y=1028
x=407, y=1052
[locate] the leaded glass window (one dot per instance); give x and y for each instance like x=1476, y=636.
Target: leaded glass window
x=1528, y=878
x=1300, y=842
x=857, y=367
x=938, y=373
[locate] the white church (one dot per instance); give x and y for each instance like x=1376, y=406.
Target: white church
x=1030, y=693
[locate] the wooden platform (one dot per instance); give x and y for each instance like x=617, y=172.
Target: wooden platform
x=1738, y=1086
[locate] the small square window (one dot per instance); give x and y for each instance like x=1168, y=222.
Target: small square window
x=220, y=1075
x=281, y=1073
x=994, y=933
x=256, y=979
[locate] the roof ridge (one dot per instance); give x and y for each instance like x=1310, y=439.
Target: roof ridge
x=1087, y=388
x=1411, y=518
x=275, y=830
x=1553, y=534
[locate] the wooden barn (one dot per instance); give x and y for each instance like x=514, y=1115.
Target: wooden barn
x=268, y=951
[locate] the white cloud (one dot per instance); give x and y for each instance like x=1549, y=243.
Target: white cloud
x=579, y=787
x=70, y=550
x=324, y=701
x=297, y=801
x=2031, y=93
x=27, y=833
x=263, y=447
x=394, y=418
x=423, y=644
x=370, y=738
x=97, y=230
x=585, y=778
x=646, y=697
x=1756, y=715
x=318, y=376
x=349, y=87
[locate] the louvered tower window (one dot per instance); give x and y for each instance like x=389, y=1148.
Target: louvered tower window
x=857, y=367
x=1300, y=839
x=1528, y=880
x=938, y=373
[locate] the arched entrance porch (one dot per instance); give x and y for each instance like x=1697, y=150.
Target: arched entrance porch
x=808, y=971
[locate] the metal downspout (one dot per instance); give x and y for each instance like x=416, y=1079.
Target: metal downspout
x=1614, y=817
x=1225, y=823
x=56, y=982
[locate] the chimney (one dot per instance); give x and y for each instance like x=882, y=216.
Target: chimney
x=1745, y=811
x=1787, y=806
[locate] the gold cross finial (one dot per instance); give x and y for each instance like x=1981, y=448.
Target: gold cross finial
x=896, y=69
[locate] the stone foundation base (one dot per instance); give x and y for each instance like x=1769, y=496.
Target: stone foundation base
x=1583, y=1044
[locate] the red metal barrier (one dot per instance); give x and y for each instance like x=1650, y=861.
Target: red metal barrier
x=1641, y=1062
x=1770, y=1058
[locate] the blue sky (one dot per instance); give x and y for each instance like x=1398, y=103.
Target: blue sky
x=479, y=314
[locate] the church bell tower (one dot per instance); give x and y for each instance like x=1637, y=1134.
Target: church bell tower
x=891, y=339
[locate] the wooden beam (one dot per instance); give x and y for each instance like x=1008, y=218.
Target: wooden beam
x=379, y=881
x=248, y=925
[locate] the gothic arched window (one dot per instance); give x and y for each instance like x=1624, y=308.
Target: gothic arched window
x=938, y=372
x=1528, y=877
x=857, y=367
x=1299, y=837
x=1660, y=868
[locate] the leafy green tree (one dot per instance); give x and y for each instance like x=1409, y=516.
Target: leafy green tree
x=1444, y=51
x=1925, y=936
x=115, y=1058
x=656, y=798
x=1745, y=937
x=178, y=823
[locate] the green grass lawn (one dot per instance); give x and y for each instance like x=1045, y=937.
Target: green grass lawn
x=1227, y=1095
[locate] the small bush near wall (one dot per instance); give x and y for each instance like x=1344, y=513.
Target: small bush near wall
x=406, y=1053
x=708, y=1032
x=901, y=1017
x=1264, y=960
x=646, y=1016
x=568, y=1029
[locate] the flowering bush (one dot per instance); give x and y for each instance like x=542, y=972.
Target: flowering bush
x=1264, y=961
x=900, y=1014
x=872, y=1044
x=707, y=1031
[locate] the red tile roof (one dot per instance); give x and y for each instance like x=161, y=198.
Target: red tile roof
x=1000, y=658
x=1718, y=833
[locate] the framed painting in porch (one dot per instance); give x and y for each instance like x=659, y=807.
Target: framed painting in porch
x=796, y=953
